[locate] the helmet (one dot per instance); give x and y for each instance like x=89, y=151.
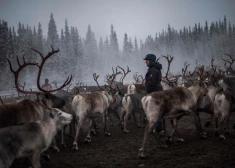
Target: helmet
x=150, y=57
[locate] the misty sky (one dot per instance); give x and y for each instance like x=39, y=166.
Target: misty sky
x=138, y=18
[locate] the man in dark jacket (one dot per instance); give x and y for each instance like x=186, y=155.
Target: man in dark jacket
x=153, y=76
x=153, y=79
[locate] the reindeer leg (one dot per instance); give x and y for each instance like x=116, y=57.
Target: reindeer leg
x=117, y=116
x=141, y=117
x=227, y=126
x=72, y=127
x=55, y=147
x=134, y=118
x=179, y=138
x=80, y=122
x=110, y=118
x=174, y=125
x=94, y=126
x=91, y=127
x=221, y=128
x=35, y=160
x=62, y=136
x=105, y=123
x=197, y=123
x=148, y=130
x=216, y=125
x=128, y=113
x=163, y=127
x=123, y=113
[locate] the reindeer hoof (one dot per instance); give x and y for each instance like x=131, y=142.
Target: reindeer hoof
x=46, y=157
x=142, y=156
x=203, y=136
x=126, y=131
x=56, y=149
x=222, y=137
x=107, y=133
x=87, y=139
x=75, y=147
x=93, y=132
x=162, y=133
x=180, y=140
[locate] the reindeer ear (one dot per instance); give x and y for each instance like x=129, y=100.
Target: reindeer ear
x=51, y=115
x=53, y=112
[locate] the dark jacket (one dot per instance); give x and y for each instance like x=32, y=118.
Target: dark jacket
x=153, y=78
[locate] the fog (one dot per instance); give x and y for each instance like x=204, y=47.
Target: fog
x=144, y=21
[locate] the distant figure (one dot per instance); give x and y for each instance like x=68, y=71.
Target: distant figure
x=47, y=86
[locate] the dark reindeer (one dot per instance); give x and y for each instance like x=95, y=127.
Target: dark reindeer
x=30, y=110
x=131, y=105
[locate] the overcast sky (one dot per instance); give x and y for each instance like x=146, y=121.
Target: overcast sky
x=138, y=18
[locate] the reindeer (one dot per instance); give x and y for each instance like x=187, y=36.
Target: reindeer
x=31, y=110
x=120, y=89
x=172, y=104
x=131, y=104
x=90, y=106
x=31, y=139
x=205, y=103
x=224, y=100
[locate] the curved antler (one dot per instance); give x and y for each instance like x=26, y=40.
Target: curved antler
x=124, y=72
x=96, y=80
x=22, y=66
x=169, y=59
x=68, y=80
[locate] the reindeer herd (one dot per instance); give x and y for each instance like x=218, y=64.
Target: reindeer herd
x=28, y=125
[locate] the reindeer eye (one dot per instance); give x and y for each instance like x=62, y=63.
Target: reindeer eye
x=59, y=114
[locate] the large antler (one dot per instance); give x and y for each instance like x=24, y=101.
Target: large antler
x=124, y=73
x=22, y=66
x=200, y=72
x=109, y=77
x=169, y=59
x=138, y=78
x=184, y=70
x=68, y=80
x=230, y=62
x=96, y=80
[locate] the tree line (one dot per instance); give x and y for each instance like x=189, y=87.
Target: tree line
x=82, y=56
